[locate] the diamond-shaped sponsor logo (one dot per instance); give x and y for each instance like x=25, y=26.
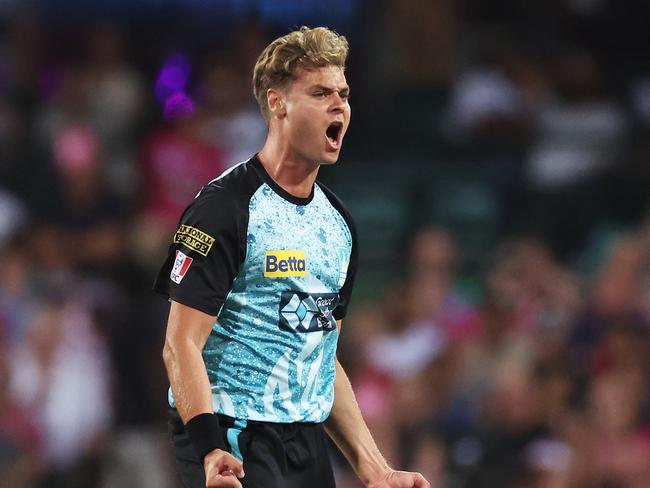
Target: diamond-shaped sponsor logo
x=304, y=312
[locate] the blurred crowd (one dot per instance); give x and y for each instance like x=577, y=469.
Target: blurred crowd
x=542, y=382
x=529, y=368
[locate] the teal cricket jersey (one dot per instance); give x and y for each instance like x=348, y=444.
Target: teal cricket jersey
x=277, y=271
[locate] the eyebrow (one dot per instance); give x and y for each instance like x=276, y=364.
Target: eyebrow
x=345, y=90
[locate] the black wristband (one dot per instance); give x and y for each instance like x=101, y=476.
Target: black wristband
x=205, y=433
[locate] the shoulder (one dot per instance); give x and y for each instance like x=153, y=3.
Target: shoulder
x=339, y=206
x=223, y=202
x=241, y=180
x=229, y=191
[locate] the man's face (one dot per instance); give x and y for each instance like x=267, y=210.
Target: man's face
x=317, y=113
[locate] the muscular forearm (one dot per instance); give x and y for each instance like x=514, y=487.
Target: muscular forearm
x=349, y=431
x=188, y=379
x=187, y=332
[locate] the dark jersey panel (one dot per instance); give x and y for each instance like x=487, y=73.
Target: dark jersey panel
x=346, y=290
x=210, y=243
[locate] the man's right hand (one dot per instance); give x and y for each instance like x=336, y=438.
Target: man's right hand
x=222, y=470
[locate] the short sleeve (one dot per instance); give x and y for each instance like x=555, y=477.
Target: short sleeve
x=206, y=253
x=346, y=290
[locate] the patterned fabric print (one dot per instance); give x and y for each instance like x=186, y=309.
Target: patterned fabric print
x=272, y=352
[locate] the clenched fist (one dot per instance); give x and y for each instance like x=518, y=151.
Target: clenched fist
x=222, y=470
x=401, y=479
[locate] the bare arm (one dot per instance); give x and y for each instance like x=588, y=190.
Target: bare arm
x=350, y=433
x=187, y=332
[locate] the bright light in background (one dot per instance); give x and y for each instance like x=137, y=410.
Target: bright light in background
x=170, y=86
x=178, y=106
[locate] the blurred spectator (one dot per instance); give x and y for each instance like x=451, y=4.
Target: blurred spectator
x=408, y=64
x=60, y=375
x=427, y=309
x=512, y=433
x=431, y=286
x=640, y=99
x=614, y=446
x=80, y=212
x=116, y=104
x=12, y=215
x=20, y=438
x=21, y=38
x=580, y=131
x=612, y=314
x=16, y=292
x=66, y=103
x=117, y=89
x=411, y=30
x=580, y=135
x=231, y=118
x=175, y=164
x=497, y=95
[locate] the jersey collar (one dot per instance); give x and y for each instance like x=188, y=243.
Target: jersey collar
x=277, y=188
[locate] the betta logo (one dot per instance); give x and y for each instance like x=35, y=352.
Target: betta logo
x=281, y=264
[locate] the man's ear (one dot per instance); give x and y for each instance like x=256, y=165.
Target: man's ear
x=275, y=102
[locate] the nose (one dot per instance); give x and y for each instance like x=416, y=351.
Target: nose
x=338, y=103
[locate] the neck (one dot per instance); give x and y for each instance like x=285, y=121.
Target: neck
x=292, y=172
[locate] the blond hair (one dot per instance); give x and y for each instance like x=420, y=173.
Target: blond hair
x=304, y=48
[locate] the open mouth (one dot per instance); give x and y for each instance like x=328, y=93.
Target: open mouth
x=333, y=132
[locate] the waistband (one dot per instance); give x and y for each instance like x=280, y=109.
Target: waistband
x=228, y=422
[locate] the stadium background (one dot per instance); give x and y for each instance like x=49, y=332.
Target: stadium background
x=497, y=167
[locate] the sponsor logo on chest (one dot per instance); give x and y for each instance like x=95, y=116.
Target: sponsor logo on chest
x=281, y=264
x=308, y=312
